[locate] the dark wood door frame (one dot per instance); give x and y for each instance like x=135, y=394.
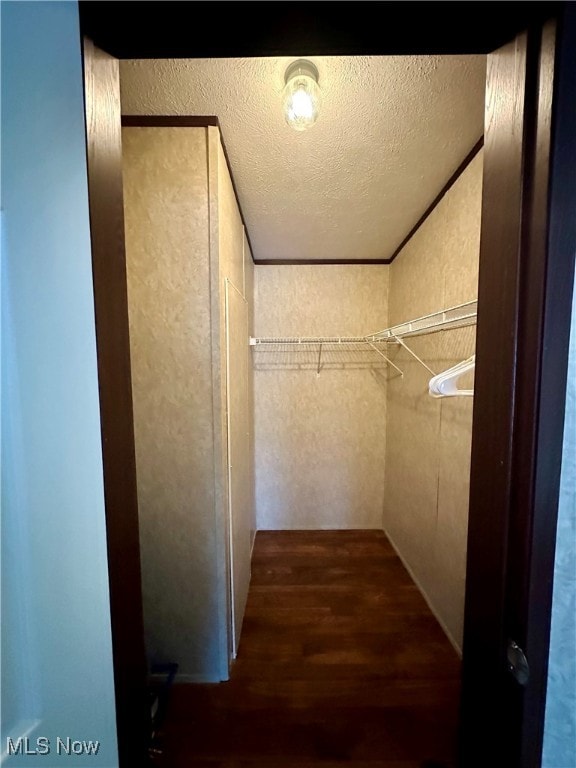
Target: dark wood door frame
x=525, y=288
x=160, y=29
x=525, y=285
x=104, y=149
x=547, y=278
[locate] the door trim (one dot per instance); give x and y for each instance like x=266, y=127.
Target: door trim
x=526, y=274
x=547, y=344
x=106, y=204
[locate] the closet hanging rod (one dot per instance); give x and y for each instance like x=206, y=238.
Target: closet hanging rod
x=459, y=316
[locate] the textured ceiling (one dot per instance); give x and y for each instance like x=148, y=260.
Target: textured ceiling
x=391, y=132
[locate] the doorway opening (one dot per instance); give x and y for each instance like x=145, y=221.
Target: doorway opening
x=510, y=268
x=276, y=390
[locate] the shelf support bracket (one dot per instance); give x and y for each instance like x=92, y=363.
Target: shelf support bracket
x=398, y=340
x=319, y=359
x=375, y=348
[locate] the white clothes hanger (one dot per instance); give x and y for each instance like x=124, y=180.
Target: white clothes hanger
x=445, y=384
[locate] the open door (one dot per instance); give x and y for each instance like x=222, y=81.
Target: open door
x=528, y=243
x=103, y=136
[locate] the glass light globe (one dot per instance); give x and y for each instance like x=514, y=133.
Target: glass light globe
x=301, y=95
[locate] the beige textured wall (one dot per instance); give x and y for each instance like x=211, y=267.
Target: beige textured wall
x=249, y=291
x=185, y=245
x=320, y=440
x=166, y=209
x=239, y=453
x=236, y=396
x=428, y=456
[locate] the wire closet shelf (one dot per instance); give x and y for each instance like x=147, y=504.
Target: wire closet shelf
x=446, y=319
x=459, y=316
x=309, y=341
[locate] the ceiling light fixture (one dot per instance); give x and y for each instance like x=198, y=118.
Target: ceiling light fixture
x=301, y=95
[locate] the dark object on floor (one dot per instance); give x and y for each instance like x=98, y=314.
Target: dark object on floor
x=159, y=689
x=433, y=764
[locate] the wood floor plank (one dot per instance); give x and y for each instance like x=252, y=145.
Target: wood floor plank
x=340, y=664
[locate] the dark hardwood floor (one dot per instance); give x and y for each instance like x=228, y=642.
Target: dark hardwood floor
x=341, y=663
